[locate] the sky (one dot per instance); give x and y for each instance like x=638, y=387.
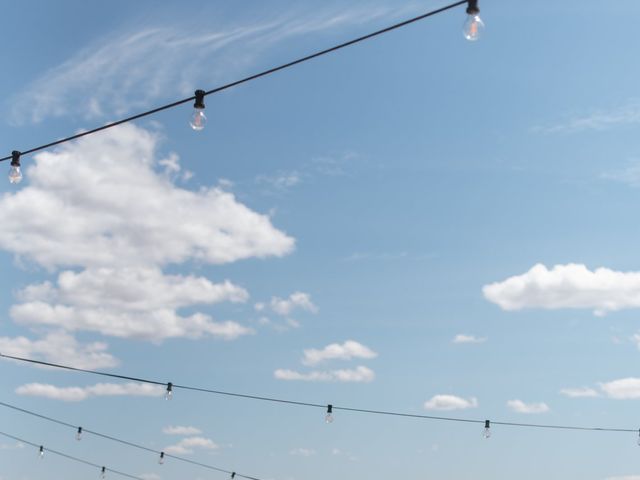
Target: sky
x=417, y=223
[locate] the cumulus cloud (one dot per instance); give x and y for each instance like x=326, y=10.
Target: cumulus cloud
x=60, y=347
x=520, y=407
x=462, y=338
x=567, y=286
x=181, y=430
x=357, y=375
x=581, y=392
x=450, y=402
x=187, y=445
x=285, y=306
x=77, y=394
x=335, y=351
x=622, y=389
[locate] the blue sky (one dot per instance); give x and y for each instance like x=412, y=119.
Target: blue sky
x=417, y=223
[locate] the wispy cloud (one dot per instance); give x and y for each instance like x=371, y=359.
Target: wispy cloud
x=450, y=402
x=567, y=286
x=626, y=114
x=130, y=70
x=519, y=406
x=302, y=452
x=581, y=392
x=359, y=374
x=77, y=394
x=463, y=338
x=286, y=306
x=181, y=430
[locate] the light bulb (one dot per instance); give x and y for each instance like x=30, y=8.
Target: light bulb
x=103, y=473
x=329, y=416
x=168, y=395
x=198, y=118
x=473, y=27
x=79, y=434
x=233, y=475
x=15, y=175
x=41, y=453
x=487, y=429
x=161, y=459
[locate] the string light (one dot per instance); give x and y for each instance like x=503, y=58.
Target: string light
x=198, y=118
x=161, y=458
x=79, y=434
x=103, y=473
x=15, y=175
x=473, y=25
x=41, y=451
x=168, y=395
x=233, y=475
x=329, y=416
x=487, y=429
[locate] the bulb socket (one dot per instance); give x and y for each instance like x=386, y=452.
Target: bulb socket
x=487, y=424
x=199, y=103
x=329, y=408
x=15, y=158
x=472, y=7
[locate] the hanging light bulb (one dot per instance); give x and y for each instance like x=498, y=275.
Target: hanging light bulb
x=329, y=416
x=15, y=175
x=233, y=475
x=103, y=473
x=473, y=25
x=161, y=459
x=198, y=118
x=79, y=434
x=487, y=429
x=41, y=452
x=168, y=395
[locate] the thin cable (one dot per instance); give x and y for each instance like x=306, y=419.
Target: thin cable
x=70, y=457
x=124, y=442
x=335, y=407
x=246, y=79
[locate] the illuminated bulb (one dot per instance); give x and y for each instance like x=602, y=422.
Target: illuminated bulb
x=41, y=451
x=168, y=395
x=487, y=429
x=103, y=473
x=79, y=434
x=15, y=175
x=329, y=417
x=198, y=118
x=473, y=25
x=161, y=459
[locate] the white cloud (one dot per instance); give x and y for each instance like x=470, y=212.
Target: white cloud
x=450, y=402
x=280, y=181
x=285, y=306
x=77, y=394
x=581, y=392
x=129, y=302
x=520, y=407
x=129, y=71
x=567, y=286
x=335, y=351
x=598, y=120
x=357, y=375
x=622, y=389
x=181, y=430
x=462, y=338
x=187, y=445
x=98, y=202
x=60, y=347
x=302, y=452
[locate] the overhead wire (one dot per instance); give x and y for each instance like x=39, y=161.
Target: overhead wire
x=71, y=457
x=319, y=405
x=126, y=442
x=235, y=83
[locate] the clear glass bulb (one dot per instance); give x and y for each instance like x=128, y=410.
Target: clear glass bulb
x=473, y=27
x=198, y=119
x=487, y=432
x=15, y=175
x=168, y=395
x=41, y=454
x=79, y=434
x=161, y=459
x=103, y=473
x=328, y=418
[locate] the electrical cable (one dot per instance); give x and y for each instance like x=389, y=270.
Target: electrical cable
x=244, y=80
x=318, y=405
x=125, y=442
x=70, y=457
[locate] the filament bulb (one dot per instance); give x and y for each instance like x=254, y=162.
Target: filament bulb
x=198, y=118
x=79, y=434
x=161, y=459
x=487, y=429
x=329, y=416
x=168, y=395
x=15, y=175
x=103, y=473
x=473, y=27
x=41, y=452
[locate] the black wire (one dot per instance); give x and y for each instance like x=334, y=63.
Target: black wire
x=70, y=457
x=318, y=405
x=246, y=79
x=124, y=442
